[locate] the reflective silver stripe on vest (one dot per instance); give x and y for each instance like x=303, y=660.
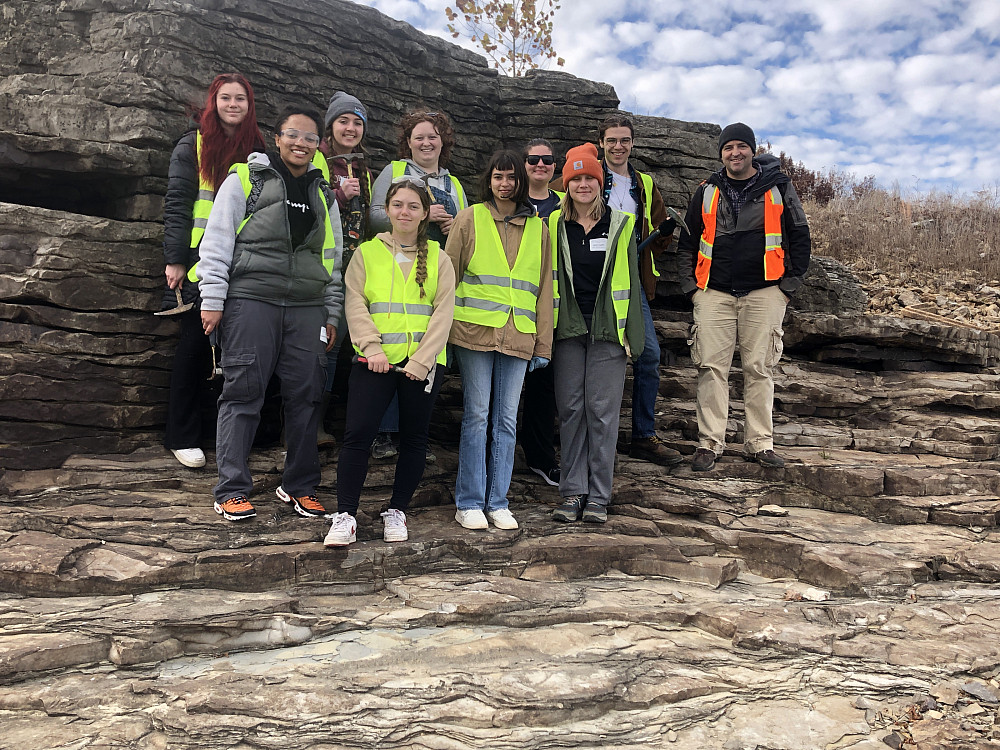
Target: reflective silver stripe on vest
x=524, y=286
x=470, y=278
x=555, y=275
x=401, y=338
x=481, y=304
x=529, y=314
x=206, y=195
x=622, y=322
x=398, y=307
x=620, y=294
x=201, y=223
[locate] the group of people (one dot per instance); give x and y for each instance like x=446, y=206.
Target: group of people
x=289, y=250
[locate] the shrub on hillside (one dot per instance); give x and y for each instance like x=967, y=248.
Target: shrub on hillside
x=877, y=230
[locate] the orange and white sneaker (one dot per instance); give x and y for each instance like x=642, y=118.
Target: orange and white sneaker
x=235, y=508
x=307, y=505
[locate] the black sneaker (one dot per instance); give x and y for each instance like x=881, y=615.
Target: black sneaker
x=655, y=450
x=382, y=446
x=704, y=460
x=551, y=476
x=769, y=459
x=595, y=513
x=570, y=509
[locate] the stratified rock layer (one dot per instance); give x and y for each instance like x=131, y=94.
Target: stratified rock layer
x=864, y=604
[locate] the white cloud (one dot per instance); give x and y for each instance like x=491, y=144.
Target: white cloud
x=907, y=90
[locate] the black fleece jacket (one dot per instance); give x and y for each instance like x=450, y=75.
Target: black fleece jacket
x=738, y=251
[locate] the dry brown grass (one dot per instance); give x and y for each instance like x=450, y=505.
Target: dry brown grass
x=876, y=230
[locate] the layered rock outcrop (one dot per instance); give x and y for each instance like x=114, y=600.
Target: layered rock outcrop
x=846, y=601
x=93, y=97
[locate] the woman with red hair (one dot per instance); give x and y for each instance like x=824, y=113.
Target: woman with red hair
x=226, y=134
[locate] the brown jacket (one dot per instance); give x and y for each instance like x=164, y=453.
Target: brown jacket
x=366, y=337
x=506, y=340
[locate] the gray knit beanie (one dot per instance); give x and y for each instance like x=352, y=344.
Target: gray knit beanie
x=735, y=132
x=343, y=103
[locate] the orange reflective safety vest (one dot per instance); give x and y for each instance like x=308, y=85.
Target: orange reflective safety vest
x=774, y=253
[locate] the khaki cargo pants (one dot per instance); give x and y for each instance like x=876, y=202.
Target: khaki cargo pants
x=720, y=322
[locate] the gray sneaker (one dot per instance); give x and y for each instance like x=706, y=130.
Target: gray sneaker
x=595, y=513
x=570, y=509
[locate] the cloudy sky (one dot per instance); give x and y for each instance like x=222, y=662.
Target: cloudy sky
x=905, y=90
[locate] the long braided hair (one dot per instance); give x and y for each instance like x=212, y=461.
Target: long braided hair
x=425, y=202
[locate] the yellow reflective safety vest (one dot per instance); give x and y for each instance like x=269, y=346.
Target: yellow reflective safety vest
x=774, y=252
x=399, y=169
x=621, y=282
x=329, y=240
x=394, y=303
x=621, y=279
x=554, y=243
x=203, y=203
x=490, y=290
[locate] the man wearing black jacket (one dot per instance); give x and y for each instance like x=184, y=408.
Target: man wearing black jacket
x=745, y=257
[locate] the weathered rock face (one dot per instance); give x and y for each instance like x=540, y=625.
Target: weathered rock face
x=92, y=98
x=93, y=94
x=846, y=601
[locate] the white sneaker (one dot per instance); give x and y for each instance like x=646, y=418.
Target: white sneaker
x=394, y=526
x=342, y=532
x=471, y=519
x=502, y=519
x=193, y=458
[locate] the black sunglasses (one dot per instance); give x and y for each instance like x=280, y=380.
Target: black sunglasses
x=547, y=159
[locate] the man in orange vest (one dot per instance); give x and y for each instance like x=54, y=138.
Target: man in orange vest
x=744, y=258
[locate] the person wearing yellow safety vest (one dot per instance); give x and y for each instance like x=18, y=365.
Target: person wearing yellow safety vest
x=503, y=327
x=342, y=156
x=227, y=132
x=634, y=192
x=271, y=282
x=538, y=415
x=426, y=139
x=747, y=253
x=400, y=291
x=598, y=323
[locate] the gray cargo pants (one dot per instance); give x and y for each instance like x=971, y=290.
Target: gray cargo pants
x=259, y=339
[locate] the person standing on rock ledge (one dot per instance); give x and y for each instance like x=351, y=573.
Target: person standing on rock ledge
x=503, y=327
x=400, y=298
x=271, y=282
x=746, y=255
x=598, y=320
x=227, y=133
x=631, y=191
x=425, y=143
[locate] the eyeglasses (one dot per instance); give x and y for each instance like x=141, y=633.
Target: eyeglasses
x=292, y=134
x=546, y=159
x=411, y=180
x=616, y=141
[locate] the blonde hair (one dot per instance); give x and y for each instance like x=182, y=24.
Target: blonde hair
x=568, y=207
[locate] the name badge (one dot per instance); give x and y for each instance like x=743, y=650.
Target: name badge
x=599, y=245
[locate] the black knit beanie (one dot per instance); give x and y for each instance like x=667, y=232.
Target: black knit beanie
x=737, y=132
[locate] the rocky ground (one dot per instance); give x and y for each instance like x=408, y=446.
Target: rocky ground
x=847, y=601
x=965, y=301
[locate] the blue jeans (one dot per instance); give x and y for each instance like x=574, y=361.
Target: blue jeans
x=645, y=379
x=483, y=484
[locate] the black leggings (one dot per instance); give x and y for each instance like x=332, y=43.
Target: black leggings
x=369, y=394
